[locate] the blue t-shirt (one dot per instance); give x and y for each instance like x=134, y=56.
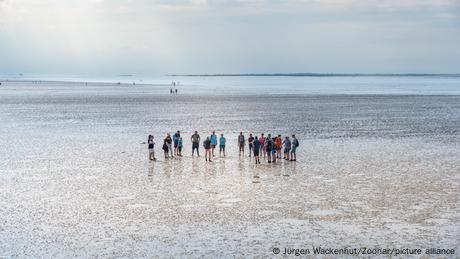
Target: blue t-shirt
x=213, y=139
x=222, y=141
x=287, y=143
x=176, y=137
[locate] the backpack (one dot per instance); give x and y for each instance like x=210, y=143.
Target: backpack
x=296, y=143
x=269, y=144
x=278, y=142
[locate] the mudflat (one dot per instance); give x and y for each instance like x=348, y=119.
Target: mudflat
x=75, y=179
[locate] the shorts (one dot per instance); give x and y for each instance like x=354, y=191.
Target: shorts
x=222, y=148
x=151, y=151
x=195, y=145
x=176, y=143
x=287, y=150
x=180, y=148
x=268, y=151
x=293, y=150
x=213, y=146
x=251, y=146
x=256, y=152
x=241, y=145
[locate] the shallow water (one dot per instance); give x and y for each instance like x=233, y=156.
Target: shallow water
x=373, y=170
x=255, y=85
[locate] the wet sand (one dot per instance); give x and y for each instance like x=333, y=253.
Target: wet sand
x=372, y=170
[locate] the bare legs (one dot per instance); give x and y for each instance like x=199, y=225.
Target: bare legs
x=207, y=155
x=221, y=150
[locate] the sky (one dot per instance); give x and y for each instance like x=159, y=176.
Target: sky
x=157, y=37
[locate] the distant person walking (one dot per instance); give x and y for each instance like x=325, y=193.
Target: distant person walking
x=241, y=142
x=287, y=148
x=151, y=146
x=295, y=145
x=222, y=141
x=250, y=144
x=207, y=149
x=176, y=91
x=176, y=138
x=195, y=138
x=213, y=142
x=256, y=151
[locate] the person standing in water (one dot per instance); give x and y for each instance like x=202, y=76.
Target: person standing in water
x=222, y=144
x=165, y=147
x=262, y=144
x=195, y=138
x=207, y=149
x=295, y=145
x=269, y=147
x=180, y=145
x=213, y=142
x=151, y=145
x=176, y=137
x=274, y=150
x=169, y=144
x=287, y=148
x=256, y=144
x=250, y=144
x=278, y=145
x=241, y=141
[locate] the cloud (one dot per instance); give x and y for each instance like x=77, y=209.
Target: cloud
x=183, y=3
x=170, y=36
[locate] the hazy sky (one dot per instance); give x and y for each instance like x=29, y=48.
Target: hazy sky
x=152, y=37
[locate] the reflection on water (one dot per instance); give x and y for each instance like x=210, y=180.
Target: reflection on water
x=222, y=167
x=178, y=166
x=195, y=166
x=168, y=167
x=151, y=170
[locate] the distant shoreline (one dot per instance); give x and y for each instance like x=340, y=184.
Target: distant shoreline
x=317, y=75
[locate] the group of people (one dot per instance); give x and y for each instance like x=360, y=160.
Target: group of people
x=173, y=89
x=268, y=147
